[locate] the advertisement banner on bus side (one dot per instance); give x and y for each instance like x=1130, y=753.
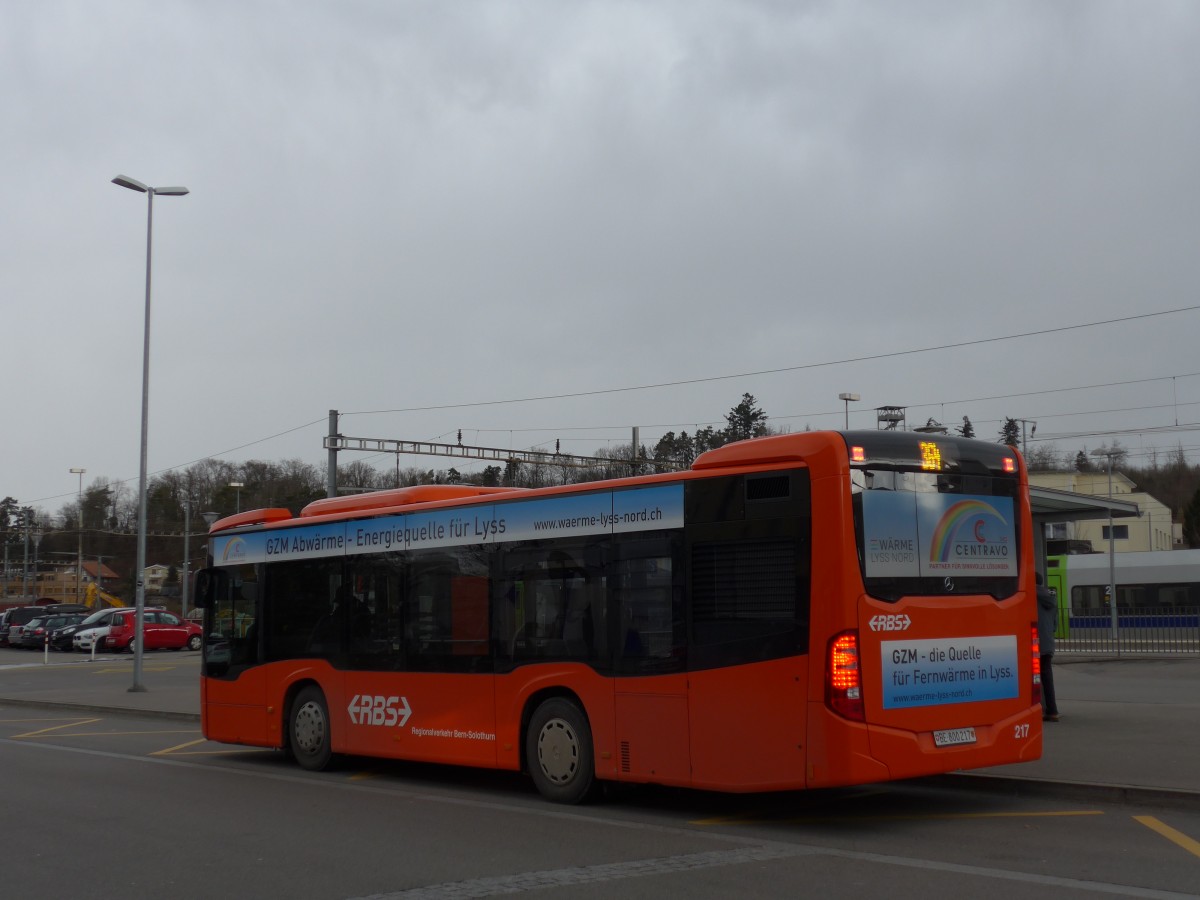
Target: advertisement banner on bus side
x=949, y=670
x=916, y=535
x=610, y=512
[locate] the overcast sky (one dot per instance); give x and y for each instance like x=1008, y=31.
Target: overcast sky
x=424, y=213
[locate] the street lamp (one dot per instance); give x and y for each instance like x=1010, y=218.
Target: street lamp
x=1112, y=556
x=848, y=399
x=26, y=523
x=238, y=486
x=79, y=571
x=187, y=533
x=139, y=616
x=37, y=542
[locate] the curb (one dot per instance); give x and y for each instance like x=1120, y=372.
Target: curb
x=108, y=710
x=1021, y=786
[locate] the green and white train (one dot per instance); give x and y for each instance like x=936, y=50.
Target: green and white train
x=1154, y=589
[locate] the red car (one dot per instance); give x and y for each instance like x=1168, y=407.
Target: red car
x=161, y=631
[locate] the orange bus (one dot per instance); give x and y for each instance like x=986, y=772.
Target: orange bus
x=794, y=611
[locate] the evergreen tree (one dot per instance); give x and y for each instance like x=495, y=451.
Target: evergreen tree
x=1082, y=463
x=9, y=509
x=745, y=420
x=1010, y=432
x=1191, y=521
x=967, y=430
x=674, y=451
x=708, y=439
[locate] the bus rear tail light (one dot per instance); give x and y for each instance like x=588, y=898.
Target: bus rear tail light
x=1036, y=658
x=843, y=677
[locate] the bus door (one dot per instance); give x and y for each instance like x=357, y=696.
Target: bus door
x=233, y=686
x=651, y=691
x=419, y=681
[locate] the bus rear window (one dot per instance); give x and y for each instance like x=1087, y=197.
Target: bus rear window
x=927, y=533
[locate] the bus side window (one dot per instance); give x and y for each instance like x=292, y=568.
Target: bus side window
x=376, y=621
x=446, y=611
x=649, y=608
x=553, y=605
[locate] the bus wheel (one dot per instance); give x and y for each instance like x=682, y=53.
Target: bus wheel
x=308, y=729
x=558, y=750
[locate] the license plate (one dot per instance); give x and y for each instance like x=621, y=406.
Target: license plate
x=954, y=736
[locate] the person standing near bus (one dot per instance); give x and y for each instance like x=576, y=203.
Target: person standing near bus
x=1047, y=624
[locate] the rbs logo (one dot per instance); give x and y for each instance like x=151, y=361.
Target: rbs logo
x=367, y=709
x=890, y=623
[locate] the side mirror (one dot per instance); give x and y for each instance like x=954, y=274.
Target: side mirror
x=211, y=585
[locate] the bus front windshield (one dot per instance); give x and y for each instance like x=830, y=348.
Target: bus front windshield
x=926, y=533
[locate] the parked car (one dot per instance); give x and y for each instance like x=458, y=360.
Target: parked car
x=161, y=630
x=12, y=637
x=93, y=629
x=37, y=630
x=89, y=638
x=62, y=638
x=20, y=616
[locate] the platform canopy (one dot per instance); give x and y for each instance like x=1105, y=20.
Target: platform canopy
x=1051, y=505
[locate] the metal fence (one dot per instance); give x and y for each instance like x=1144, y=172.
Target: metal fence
x=1139, y=631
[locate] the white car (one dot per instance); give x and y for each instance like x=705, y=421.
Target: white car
x=90, y=637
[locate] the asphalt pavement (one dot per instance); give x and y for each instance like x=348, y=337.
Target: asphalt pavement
x=1129, y=728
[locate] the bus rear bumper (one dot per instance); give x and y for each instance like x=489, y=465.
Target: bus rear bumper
x=1015, y=739
x=867, y=753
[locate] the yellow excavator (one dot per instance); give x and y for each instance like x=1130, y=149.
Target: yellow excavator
x=94, y=593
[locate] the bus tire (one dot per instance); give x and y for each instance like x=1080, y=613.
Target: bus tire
x=558, y=751
x=308, y=729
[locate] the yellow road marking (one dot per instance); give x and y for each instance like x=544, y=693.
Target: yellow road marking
x=178, y=747
x=114, y=733
x=1177, y=837
x=814, y=820
x=178, y=750
x=68, y=724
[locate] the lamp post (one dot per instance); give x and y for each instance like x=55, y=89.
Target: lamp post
x=79, y=571
x=187, y=560
x=139, y=616
x=238, y=485
x=26, y=514
x=1112, y=555
x=848, y=399
x=37, y=542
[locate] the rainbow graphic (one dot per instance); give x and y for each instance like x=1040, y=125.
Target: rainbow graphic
x=234, y=549
x=955, y=518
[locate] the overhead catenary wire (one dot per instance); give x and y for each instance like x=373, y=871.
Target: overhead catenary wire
x=727, y=377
